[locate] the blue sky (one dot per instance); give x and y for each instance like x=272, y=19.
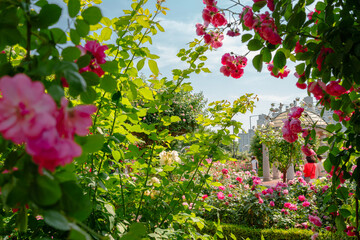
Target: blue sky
x=179, y=25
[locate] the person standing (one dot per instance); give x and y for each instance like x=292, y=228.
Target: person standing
x=254, y=164
x=310, y=169
x=320, y=171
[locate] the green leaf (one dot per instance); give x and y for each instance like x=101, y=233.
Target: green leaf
x=246, y=37
x=71, y=53
x=168, y=168
x=58, y=35
x=74, y=36
x=153, y=67
x=343, y=193
x=110, y=67
x=91, y=143
x=56, y=220
x=46, y=191
x=92, y=15
x=77, y=233
x=49, y=15
x=106, y=33
x=82, y=28
x=327, y=165
x=146, y=93
x=140, y=64
x=108, y=83
x=175, y=119
x=116, y=155
x=340, y=223
x=74, y=202
x=345, y=213
x=83, y=61
x=91, y=78
x=258, y=62
x=73, y=7
x=265, y=52
x=322, y=150
x=320, y=6
x=75, y=80
x=254, y=45
x=56, y=92
x=89, y=96
x=137, y=231
x=279, y=59
x=300, y=68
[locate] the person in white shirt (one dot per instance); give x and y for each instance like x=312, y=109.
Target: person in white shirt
x=254, y=163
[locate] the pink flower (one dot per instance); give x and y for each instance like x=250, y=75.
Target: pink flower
x=261, y=201
x=49, y=150
x=230, y=195
x=328, y=228
x=334, y=89
x=248, y=17
x=200, y=29
x=272, y=204
x=209, y=2
x=214, y=39
x=300, y=48
x=270, y=5
x=315, y=220
x=322, y=55
x=25, y=109
x=225, y=171
x=314, y=88
x=222, y=188
x=295, y=126
x=233, y=33
x=220, y=195
x=301, y=198
x=307, y=151
x=284, y=211
x=204, y=196
x=239, y=179
x=296, y=112
x=75, y=120
x=218, y=20
x=298, y=174
x=98, y=53
x=314, y=236
x=287, y=205
x=350, y=231
x=301, y=85
x=284, y=72
x=305, y=204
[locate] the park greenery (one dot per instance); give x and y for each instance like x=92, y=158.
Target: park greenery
x=91, y=148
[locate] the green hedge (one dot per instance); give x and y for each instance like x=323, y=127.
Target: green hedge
x=242, y=232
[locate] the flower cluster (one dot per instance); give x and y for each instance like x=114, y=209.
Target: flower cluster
x=98, y=57
x=292, y=125
x=168, y=158
x=284, y=72
x=263, y=24
x=233, y=65
x=212, y=15
x=29, y=115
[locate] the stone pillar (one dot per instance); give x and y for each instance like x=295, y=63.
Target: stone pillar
x=290, y=172
x=275, y=170
x=266, y=165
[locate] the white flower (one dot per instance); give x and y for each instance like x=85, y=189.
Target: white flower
x=175, y=157
x=165, y=158
x=154, y=180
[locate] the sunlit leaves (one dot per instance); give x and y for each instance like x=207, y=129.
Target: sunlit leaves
x=92, y=15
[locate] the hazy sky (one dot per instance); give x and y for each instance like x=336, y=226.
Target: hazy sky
x=179, y=25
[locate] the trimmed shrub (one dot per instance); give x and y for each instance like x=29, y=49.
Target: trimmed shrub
x=241, y=232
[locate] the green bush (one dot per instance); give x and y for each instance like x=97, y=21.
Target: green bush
x=241, y=232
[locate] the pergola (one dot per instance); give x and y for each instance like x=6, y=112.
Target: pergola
x=308, y=119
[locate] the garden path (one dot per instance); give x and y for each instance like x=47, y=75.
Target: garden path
x=270, y=183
